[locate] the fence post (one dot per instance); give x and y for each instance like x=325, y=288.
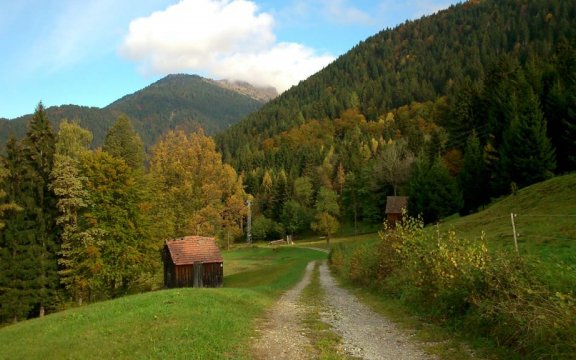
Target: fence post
x=512, y=216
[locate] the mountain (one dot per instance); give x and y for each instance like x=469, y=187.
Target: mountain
x=417, y=61
x=482, y=95
x=176, y=101
x=259, y=93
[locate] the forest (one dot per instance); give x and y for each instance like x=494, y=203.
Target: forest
x=452, y=110
x=81, y=224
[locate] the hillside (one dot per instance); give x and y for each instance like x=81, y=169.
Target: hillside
x=417, y=61
x=522, y=303
x=170, y=324
x=176, y=101
x=545, y=221
x=453, y=109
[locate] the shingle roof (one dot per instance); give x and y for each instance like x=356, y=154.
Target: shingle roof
x=189, y=249
x=395, y=204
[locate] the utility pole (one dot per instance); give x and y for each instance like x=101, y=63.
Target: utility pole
x=249, y=223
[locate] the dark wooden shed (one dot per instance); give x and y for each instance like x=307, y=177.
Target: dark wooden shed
x=395, y=205
x=192, y=261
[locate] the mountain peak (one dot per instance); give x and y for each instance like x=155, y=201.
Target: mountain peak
x=260, y=93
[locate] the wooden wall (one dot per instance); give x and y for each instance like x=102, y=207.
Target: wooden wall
x=207, y=275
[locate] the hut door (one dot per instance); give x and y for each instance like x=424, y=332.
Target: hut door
x=198, y=274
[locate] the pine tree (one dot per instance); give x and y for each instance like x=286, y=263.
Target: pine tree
x=5, y=206
x=39, y=149
x=30, y=240
x=473, y=178
x=433, y=193
x=15, y=300
x=120, y=245
x=527, y=156
x=67, y=184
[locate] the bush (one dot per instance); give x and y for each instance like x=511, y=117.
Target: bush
x=500, y=296
x=266, y=229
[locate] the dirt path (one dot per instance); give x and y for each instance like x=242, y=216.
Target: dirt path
x=281, y=332
x=365, y=334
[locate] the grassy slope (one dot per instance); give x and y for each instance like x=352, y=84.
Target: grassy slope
x=545, y=220
x=179, y=323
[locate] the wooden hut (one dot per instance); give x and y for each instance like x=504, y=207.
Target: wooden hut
x=192, y=261
x=395, y=205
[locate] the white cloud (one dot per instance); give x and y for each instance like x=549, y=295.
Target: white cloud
x=223, y=38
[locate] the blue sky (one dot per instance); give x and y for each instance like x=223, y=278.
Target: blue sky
x=92, y=52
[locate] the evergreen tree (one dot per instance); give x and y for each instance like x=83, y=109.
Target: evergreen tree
x=39, y=148
x=526, y=156
x=559, y=106
x=5, y=206
x=433, y=193
x=119, y=250
x=472, y=178
x=15, y=301
x=67, y=184
x=30, y=240
x=124, y=143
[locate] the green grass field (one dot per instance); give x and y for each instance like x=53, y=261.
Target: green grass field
x=168, y=324
x=545, y=221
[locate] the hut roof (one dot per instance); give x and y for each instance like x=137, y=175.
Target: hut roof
x=395, y=204
x=190, y=249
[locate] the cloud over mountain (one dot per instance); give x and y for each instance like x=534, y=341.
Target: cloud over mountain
x=220, y=38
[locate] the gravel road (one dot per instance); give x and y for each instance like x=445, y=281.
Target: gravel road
x=281, y=332
x=365, y=334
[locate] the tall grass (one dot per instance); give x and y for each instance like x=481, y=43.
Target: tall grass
x=173, y=324
x=485, y=293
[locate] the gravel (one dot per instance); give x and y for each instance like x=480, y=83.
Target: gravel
x=365, y=334
x=282, y=336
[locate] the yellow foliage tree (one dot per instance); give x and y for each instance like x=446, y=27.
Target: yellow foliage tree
x=201, y=194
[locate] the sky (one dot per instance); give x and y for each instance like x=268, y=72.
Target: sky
x=92, y=52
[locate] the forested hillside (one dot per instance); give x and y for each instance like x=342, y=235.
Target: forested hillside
x=452, y=109
x=186, y=102
x=79, y=225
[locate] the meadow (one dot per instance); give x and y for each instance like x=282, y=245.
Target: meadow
x=177, y=324
x=466, y=274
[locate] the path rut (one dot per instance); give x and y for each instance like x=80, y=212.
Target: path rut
x=282, y=335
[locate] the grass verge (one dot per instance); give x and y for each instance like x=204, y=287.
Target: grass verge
x=176, y=324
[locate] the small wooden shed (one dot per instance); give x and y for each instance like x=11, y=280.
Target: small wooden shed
x=395, y=205
x=192, y=261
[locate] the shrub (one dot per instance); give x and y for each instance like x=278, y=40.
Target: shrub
x=500, y=296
